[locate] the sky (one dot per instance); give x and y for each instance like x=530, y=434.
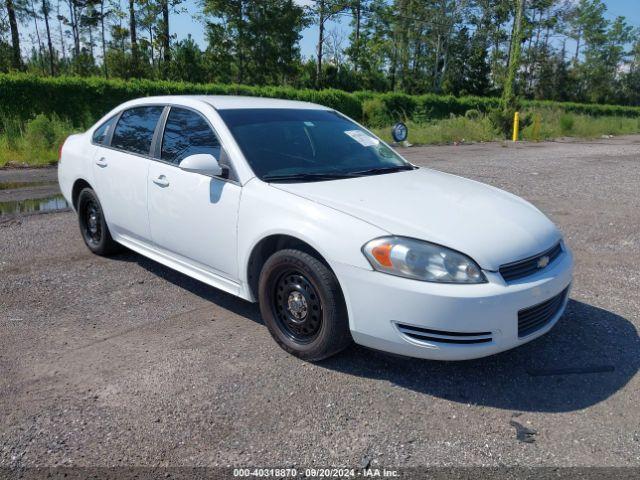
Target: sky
x=183, y=25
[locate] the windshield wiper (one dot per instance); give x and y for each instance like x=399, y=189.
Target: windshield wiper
x=293, y=177
x=381, y=170
x=301, y=177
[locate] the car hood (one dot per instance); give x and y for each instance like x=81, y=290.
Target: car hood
x=488, y=224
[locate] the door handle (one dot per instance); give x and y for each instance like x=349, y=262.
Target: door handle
x=161, y=181
x=102, y=162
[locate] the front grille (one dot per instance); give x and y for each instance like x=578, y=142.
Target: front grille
x=536, y=317
x=528, y=266
x=441, y=336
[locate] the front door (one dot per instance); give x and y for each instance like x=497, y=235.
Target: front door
x=193, y=215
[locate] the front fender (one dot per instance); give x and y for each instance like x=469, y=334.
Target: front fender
x=266, y=211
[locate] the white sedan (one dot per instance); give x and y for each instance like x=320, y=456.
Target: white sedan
x=339, y=239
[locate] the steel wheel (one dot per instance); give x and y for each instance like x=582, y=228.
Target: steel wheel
x=297, y=306
x=93, y=227
x=92, y=223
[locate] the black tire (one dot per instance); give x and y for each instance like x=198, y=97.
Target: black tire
x=93, y=226
x=302, y=305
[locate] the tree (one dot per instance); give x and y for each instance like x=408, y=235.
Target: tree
x=6, y=53
x=631, y=80
x=561, y=81
x=375, y=45
x=165, y=35
x=74, y=22
x=227, y=29
x=357, y=8
x=118, y=56
x=46, y=10
x=468, y=70
x=447, y=13
x=273, y=27
x=148, y=20
x=257, y=41
x=508, y=94
x=103, y=14
x=188, y=62
x=600, y=53
x=135, y=54
x=415, y=46
x=38, y=55
x=16, y=58
x=322, y=11
x=61, y=19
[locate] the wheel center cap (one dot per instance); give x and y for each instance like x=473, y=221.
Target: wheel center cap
x=297, y=305
x=93, y=223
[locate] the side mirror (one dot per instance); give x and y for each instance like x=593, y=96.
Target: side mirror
x=203, y=163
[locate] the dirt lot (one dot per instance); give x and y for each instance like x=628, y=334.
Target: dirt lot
x=121, y=361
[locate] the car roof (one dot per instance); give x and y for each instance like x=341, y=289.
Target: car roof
x=224, y=102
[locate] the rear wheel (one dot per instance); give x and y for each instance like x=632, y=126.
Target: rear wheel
x=302, y=305
x=93, y=226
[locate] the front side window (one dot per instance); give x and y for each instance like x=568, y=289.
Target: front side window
x=134, y=131
x=101, y=133
x=308, y=144
x=187, y=133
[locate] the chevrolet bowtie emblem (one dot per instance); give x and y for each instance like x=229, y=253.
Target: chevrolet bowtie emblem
x=543, y=261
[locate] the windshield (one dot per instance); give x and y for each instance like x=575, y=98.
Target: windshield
x=308, y=145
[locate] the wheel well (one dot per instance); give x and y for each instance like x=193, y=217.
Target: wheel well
x=75, y=191
x=267, y=247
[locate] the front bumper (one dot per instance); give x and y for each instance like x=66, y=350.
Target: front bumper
x=377, y=303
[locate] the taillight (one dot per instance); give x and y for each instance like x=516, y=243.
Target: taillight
x=60, y=150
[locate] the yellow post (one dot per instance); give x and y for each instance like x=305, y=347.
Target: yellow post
x=516, y=126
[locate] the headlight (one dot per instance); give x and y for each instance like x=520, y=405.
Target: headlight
x=419, y=260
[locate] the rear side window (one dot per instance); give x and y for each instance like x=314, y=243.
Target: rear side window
x=187, y=133
x=101, y=133
x=134, y=131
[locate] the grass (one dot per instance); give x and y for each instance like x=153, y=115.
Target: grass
x=20, y=155
x=554, y=124
x=543, y=124
x=36, y=142
x=449, y=130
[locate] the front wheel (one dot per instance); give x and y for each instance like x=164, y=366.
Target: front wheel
x=93, y=225
x=302, y=305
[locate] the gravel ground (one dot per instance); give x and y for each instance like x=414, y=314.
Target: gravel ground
x=121, y=361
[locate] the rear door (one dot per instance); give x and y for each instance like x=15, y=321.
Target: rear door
x=121, y=165
x=192, y=215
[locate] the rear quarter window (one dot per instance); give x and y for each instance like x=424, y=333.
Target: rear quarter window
x=101, y=133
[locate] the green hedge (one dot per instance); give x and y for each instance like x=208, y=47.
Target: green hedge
x=594, y=109
x=384, y=108
x=82, y=100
